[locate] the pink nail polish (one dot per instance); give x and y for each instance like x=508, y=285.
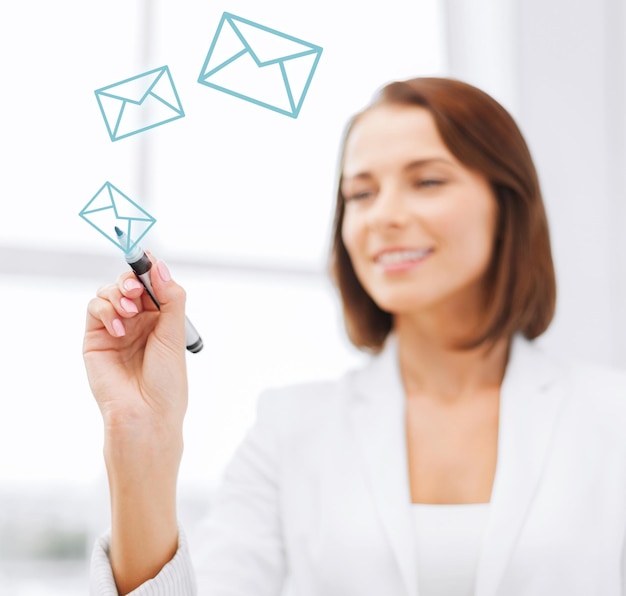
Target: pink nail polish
x=164, y=272
x=118, y=328
x=128, y=305
x=132, y=284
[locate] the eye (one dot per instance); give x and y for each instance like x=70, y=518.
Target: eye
x=358, y=196
x=429, y=182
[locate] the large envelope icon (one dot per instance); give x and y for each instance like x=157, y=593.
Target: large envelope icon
x=111, y=208
x=139, y=103
x=259, y=64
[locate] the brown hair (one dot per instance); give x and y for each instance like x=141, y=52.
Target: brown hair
x=480, y=133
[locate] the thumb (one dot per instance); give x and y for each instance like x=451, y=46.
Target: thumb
x=170, y=328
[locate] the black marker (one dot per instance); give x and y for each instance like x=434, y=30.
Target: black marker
x=141, y=265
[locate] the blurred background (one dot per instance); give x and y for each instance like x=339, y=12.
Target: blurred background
x=243, y=198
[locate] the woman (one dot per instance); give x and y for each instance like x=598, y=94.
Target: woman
x=462, y=460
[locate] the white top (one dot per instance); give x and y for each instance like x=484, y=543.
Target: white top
x=449, y=538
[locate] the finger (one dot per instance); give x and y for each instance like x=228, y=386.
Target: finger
x=171, y=324
x=129, y=285
x=101, y=314
x=124, y=306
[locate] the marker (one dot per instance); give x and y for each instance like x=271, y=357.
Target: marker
x=141, y=265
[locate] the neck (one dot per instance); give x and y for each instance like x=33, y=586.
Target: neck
x=432, y=366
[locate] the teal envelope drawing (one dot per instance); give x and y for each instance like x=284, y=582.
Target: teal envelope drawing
x=259, y=64
x=109, y=208
x=139, y=103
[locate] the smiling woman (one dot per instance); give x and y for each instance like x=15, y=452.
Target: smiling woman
x=440, y=467
x=437, y=166
x=424, y=235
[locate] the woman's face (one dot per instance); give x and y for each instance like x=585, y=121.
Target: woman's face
x=418, y=226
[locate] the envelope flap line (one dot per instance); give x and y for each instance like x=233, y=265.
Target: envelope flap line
x=206, y=75
x=85, y=210
x=129, y=218
x=244, y=42
x=231, y=17
x=149, y=90
x=144, y=217
x=147, y=216
x=107, y=214
x=311, y=48
x=285, y=58
x=139, y=101
x=121, y=97
x=169, y=105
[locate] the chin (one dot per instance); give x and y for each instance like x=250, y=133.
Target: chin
x=415, y=298
x=403, y=304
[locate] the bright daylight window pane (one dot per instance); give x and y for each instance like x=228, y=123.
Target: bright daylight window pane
x=259, y=331
x=55, y=146
x=239, y=181
x=230, y=181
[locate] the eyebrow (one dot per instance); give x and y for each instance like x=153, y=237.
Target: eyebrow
x=418, y=163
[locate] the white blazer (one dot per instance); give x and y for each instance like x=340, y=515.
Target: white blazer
x=316, y=499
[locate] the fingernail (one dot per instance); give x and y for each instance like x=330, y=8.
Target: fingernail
x=132, y=284
x=118, y=328
x=164, y=272
x=128, y=305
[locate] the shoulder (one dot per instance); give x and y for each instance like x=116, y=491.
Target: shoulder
x=581, y=377
x=599, y=383
x=308, y=398
x=607, y=376
x=594, y=396
x=310, y=401
x=594, y=412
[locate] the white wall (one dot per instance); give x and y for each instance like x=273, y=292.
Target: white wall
x=243, y=199
x=559, y=66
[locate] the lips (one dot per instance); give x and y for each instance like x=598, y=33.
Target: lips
x=402, y=256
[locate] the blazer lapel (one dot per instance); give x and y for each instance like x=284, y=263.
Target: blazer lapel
x=378, y=419
x=530, y=400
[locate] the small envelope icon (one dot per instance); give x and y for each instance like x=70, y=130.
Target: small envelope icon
x=259, y=64
x=139, y=103
x=109, y=208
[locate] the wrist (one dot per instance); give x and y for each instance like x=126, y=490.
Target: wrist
x=128, y=427
x=142, y=481
x=145, y=449
x=151, y=451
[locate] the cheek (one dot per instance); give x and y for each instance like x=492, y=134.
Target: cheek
x=468, y=229
x=354, y=237
x=351, y=234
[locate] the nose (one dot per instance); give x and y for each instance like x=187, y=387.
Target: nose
x=390, y=209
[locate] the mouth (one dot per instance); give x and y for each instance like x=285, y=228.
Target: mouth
x=402, y=257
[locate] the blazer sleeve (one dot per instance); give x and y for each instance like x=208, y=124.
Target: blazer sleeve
x=238, y=550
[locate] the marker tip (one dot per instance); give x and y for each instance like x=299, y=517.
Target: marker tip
x=118, y=231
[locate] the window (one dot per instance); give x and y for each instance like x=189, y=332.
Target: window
x=243, y=198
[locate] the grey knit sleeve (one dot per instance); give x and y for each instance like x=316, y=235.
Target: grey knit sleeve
x=175, y=579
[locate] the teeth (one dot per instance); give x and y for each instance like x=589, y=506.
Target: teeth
x=402, y=255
